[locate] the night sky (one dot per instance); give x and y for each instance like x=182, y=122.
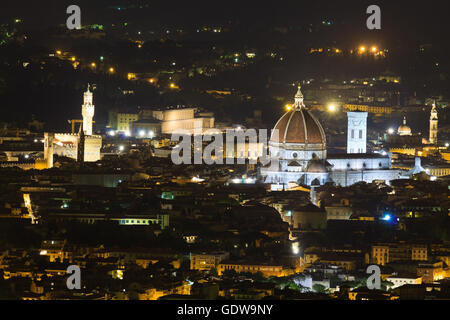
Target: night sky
x=405, y=25
x=416, y=18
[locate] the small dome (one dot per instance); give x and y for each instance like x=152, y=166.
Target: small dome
x=299, y=126
x=404, y=130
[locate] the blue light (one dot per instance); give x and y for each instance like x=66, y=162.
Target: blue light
x=387, y=217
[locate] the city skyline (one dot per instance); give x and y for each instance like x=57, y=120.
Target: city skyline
x=224, y=151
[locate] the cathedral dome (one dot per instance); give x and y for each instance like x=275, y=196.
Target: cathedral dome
x=404, y=130
x=299, y=126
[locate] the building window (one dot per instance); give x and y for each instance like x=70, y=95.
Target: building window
x=353, y=134
x=360, y=134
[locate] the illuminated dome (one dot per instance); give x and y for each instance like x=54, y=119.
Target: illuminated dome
x=299, y=126
x=404, y=130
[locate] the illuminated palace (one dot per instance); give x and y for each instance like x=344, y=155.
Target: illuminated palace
x=299, y=153
x=82, y=146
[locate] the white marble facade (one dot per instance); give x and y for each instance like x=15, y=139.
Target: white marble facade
x=301, y=162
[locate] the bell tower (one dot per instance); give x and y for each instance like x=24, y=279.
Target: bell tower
x=87, y=110
x=357, y=132
x=433, y=125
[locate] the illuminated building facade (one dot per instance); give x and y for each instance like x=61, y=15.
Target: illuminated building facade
x=267, y=270
x=299, y=156
x=383, y=254
x=184, y=119
x=68, y=144
x=207, y=261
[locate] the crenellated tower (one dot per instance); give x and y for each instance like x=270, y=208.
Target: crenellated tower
x=433, y=125
x=87, y=110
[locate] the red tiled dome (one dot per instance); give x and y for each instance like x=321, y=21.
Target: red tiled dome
x=299, y=126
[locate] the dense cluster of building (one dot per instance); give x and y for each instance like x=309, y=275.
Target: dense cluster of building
x=141, y=227
x=358, y=175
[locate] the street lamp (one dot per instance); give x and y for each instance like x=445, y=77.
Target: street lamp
x=332, y=107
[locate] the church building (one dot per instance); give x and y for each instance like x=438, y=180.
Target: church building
x=298, y=150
